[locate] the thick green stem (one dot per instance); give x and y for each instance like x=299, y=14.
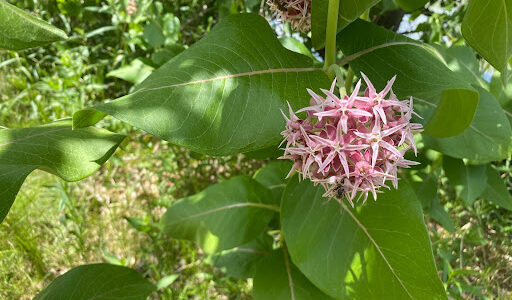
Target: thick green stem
x=330, y=35
x=349, y=80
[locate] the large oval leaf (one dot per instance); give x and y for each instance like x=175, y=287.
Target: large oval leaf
x=222, y=95
x=421, y=72
x=378, y=251
x=348, y=11
x=487, y=139
x=487, y=27
x=55, y=148
x=99, y=282
x=277, y=278
x=20, y=30
x=223, y=216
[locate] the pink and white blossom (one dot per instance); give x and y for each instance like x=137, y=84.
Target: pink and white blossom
x=353, y=144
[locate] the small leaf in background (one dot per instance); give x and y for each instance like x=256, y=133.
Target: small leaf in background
x=241, y=262
x=502, y=93
x=487, y=27
x=411, y=5
x=212, y=97
x=273, y=176
x=278, y=278
x=437, y=212
x=171, y=29
x=295, y=46
x=166, y=281
x=135, y=72
x=55, y=148
x=223, y=216
x=448, y=118
x=496, y=191
x=349, y=10
x=487, y=139
x=380, y=248
x=98, y=281
x=469, y=181
x=153, y=34
x=421, y=73
x=21, y=30
x=162, y=56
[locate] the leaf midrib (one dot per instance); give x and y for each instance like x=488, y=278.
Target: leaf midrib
x=363, y=228
x=230, y=76
x=32, y=136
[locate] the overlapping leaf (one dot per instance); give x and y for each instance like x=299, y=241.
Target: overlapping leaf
x=421, y=73
x=222, y=95
x=410, y=5
x=273, y=176
x=487, y=27
x=469, y=181
x=98, y=281
x=378, y=251
x=55, y=148
x=20, y=30
x=278, y=278
x=223, y=216
x=349, y=10
x=496, y=190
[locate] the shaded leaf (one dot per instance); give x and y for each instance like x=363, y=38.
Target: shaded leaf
x=100, y=282
x=487, y=139
x=462, y=60
x=349, y=10
x=55, y=148
x=277, y=278
x=469, y=181
x=487, y=27
x=496, y=190
x=410, y=5
x=223, y=216
x=273, y=176
x=153, y=34
x=213, y=97
x=421, y=73
x=381, y=248
x=437, y=212
x=20, y=30
x=241, y=262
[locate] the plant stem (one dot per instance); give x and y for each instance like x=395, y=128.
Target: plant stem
x=330, y=35
x=349, y=81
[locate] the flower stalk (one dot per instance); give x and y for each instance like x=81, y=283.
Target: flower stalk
x=330, y=35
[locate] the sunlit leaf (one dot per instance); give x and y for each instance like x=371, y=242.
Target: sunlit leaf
x=98, y=281
x=223, y=216
x=55, y=148
x=223, y=95
x=135, y=72
x=21, y=30
x=487, y=27
x=381, y=248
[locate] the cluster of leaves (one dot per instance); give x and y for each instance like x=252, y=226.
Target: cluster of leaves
x=211, y=98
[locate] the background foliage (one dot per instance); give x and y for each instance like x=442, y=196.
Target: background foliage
x=113, y=217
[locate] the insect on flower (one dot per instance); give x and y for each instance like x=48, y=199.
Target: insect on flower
x=351, y=145
x=297, y=12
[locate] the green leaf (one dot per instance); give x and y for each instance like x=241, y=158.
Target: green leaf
x=166, y=281
x=487, y=139
x=277, y=278
x=214, y=96
x=295, y=46
x=153, y=34
x=487, y=27
x=55, y=148
x=241, y=262
x=469, y=181
x=135, y=72
x=100, y=282
x=496, y=191
x=444, y=122
x=273, y=177
x=223, y=216
x=349, y=10
x=437, y=212
x=20, y=30
x=462, y=61
x=410, y=5
x=377, y=251
x=421, y=73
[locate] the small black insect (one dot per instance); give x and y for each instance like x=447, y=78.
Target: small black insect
x=280, y=6
x=339, y=192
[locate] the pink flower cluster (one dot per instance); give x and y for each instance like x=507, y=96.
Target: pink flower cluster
x=351, y=145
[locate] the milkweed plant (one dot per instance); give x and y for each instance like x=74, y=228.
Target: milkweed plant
x=337, y=212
